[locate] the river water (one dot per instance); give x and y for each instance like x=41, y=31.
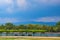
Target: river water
x=29, y=34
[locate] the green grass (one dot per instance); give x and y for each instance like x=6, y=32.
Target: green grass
x=29, y=38
x=22, y=30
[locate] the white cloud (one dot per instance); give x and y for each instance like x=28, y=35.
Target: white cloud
x=47, y=19
x=55, y=1
x=22, y=3
x=25, y=4
x=9, y=10
x=41, y=19
x=5, y=20
x=12, y=20
x=47, y=1
x=5, y=2
x=7, y=5
x=41, y=1
x=8, y=1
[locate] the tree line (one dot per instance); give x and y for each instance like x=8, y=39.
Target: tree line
x=11, y=26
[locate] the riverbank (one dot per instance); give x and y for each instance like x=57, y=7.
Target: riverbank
x=28, y=38
x=46, y=34
x=53, y=32
x=25, y=37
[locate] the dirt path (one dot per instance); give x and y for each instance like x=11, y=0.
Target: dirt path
x=25, y=37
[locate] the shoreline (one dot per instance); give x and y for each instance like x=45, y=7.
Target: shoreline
x=53, y=32
x=25, y=37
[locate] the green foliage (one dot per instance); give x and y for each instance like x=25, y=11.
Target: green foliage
x=58, y=23
x=9, y=27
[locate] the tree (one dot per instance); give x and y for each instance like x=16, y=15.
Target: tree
x=30, y=26
x=44, y=27
x=58, y=23
x=21, y=27
x=2, y=26
x=58, y=26
x=9, y=26
x=38, y=27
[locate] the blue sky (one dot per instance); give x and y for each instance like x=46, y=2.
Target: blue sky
x=29, y=11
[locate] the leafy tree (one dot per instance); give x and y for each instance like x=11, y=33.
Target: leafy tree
x=21, y=27
x=9, y=26
x=58, y=23
x=38, y=27
x=30, y=26
x=2, y=26
x=58, y=26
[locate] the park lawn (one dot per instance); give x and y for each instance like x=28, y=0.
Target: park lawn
x=23, y=30
x=26, y=38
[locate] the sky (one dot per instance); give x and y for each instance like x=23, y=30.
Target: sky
x=29, y=11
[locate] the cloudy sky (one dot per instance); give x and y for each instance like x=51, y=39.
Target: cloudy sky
x=29, y=10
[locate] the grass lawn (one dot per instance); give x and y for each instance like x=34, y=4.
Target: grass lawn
x=23, y=30
x=25, y=38
x=29, y=39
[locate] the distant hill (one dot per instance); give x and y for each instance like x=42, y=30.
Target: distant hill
x=47, y=23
